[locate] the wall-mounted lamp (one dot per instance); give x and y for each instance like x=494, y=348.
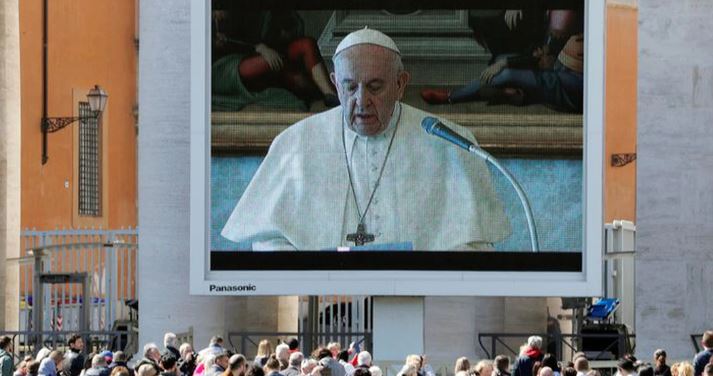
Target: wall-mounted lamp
x=97, y=102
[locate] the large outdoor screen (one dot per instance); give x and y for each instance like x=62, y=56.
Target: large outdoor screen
x=397, y=148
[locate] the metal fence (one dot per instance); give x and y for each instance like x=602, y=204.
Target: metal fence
x=611, y=346
x=322, y=319
x=108, y=257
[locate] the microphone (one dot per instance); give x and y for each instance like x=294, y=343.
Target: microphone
x=435, y=127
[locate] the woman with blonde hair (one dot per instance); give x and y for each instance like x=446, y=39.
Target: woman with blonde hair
x=264, y=350
x=408, y=370
x=685, y=369
x=462, y=364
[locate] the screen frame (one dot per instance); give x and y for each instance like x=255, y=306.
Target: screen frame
x=587, y=282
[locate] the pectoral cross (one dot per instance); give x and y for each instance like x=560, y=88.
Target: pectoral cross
x=360, y=236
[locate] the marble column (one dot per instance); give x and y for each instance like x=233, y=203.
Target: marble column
x=9, y=160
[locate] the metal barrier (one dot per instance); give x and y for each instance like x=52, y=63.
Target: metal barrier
x=29, y=342
x=246, y=343
x=107, y=256
x=620, y=343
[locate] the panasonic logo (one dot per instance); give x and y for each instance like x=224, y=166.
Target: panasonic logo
x=232, y=288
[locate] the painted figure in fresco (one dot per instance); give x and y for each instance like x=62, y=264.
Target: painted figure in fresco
x=550, y=73
x=264, y=57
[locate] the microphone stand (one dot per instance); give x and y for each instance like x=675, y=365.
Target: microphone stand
x=520, y=193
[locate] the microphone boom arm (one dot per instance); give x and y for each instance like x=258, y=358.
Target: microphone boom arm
x=520, y=193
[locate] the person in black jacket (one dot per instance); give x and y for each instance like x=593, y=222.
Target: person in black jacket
x=74, y=358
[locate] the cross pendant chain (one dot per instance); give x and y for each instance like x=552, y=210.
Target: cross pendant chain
x=360, y=236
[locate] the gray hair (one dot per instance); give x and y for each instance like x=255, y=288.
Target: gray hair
x=535, y=341
x=148, y=347
x=375, y=371
x=170, y=340
x=364, y=358
x=282, y=350
x=296, y=359
x=307, y=363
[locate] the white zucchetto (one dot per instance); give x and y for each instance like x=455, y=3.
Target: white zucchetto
x=366, y=36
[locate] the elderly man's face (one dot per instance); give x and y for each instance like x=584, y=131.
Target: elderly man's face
x=368, y=84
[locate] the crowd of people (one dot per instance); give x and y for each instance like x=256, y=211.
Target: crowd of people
x=286, y=359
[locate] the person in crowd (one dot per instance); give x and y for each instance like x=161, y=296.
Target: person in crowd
x=33, y=367
x=272, y=366
x=282, y=351
x=6, y=362
x=462, y=366
x=215, y=346
x=375, y=371
x=168, y=364
x=237, y=365
x=626, y=367
x=254, y=370
x=501, y=365
x=147, y=370
x=343, y=359
x=294, y=345
x=708, y=370
x=108, y=356
x=99, y=367
x=581, y=365
x=408, y=370
x=645, y=369
x=43, y=353
x=364, y=360
x=50, y=365
x=205, y=363
x=703, y=357
x=320, y=370
x=484, y=368
x=307, y=366
x=569, y=371
x=120, y=360
x=545, y=371
x=121, y=371
x=361, y=372
x=220, y=364
x=73, y=358
x=660, y=367
x=324, y=356
x=187, y=362
x=152, y=356
x=674, y=369
x=687, y=369
x=21, y=368
x=264, y=350
x=529, y=354
x=294, y=364
x=334, y=348
x=170, y=343
x=549, y=360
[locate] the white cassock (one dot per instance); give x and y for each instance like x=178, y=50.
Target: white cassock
x=432, y=193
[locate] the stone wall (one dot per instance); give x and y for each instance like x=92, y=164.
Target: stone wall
x=674, y=262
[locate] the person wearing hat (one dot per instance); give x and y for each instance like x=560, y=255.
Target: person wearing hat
x=367, y=171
